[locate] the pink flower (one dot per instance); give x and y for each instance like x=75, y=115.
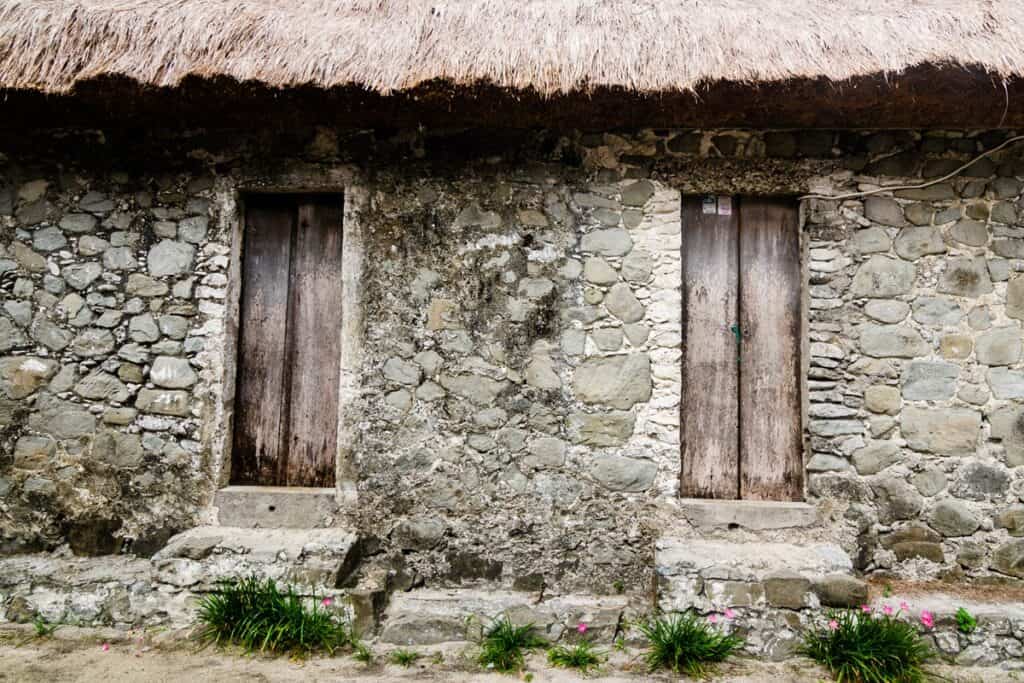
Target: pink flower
x=866, y=609
x=904, y=606
x=887, y=610
x=729, y=614
x=927, y=618
x=582, y=628
x=833, y=625
x=106, y=647
x=713, y=618
x=326, y=602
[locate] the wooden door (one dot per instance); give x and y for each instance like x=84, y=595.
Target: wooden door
x=740, y=411
x=289, y=348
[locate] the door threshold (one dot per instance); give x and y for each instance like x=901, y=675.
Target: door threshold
x=276, y=507
x=757, y=515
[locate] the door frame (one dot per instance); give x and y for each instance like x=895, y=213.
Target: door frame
x=232, y=202
x=803, y=345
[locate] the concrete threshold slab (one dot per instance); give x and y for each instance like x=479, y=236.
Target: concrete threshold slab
x=757, y=515
x=276, y=507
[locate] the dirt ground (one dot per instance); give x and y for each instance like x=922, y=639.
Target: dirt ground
x=97, y=656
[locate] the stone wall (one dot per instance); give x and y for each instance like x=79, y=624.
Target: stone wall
x=513, y=408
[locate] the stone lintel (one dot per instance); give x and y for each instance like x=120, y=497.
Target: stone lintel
x=750, y=514
x=276, y=507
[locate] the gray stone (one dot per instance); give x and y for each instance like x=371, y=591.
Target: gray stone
x=882, y=399
x=33, y=452
x=620, y=473
x=952, y=518
x=119, y=258
x=540, y=371
x=21, y=376
x=881, y=277
x=418, y=532
x=119, y=416
x=887, y=310
x=929, y=481
x=787, y=589
x=621, y=303
x=841, y=590
x=193, y=229
x=1009, y=558
x=870, y=241
x=20, y=311
x=143, y=328
x=102, y=386
x=914, y=242
x=971, y=233
x=835, y=427
x=61, y=419
x=823, y=462
x=884, y=210
x=1005, y=188
x=999, y=346
x=161, y=402
x=90, y=245
x=876, y=456
x=143, y=285
x=965, y=277
x=1011, y=519
x=1006, y=383
x=81, y=275
x=601, y=429
x=999, y=269
x=937, y=311
x=49, y=239
x=638, y=193
x=78, y=223
x=956, y=346
x=944, y=431
x=535, y=288
x=172, y=373
x=401, y=400
x=173, y=326
x=979, y=318
x=50, y=335
x=929, y=380
x=93, y=342
x=607, y=242
x=891, y=341
x=545, y=452
x=637, y=266
x=1008, y=427
x=981, y=481
x=637, y=333
x=169, y=257
x=618, y=381
x=402, y=372
x=1015, y=298
x=475, y=388
x=597, y=271
x=896, y=499
x=1008, y=248
x=607, y=338
x=123, y=451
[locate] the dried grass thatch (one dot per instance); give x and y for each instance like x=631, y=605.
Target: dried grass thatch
x=551, y=46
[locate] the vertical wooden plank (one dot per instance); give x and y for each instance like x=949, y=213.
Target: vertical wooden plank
x=315, y=343
x=709, y=405
x=771, y=461
x=260, y=396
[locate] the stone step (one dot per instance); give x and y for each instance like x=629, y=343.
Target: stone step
x=429, y=616
x=276, y=507
x=314, y=560
x=755, y=515
x=712, y=575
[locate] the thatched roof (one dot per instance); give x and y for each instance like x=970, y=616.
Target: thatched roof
x=549, y=46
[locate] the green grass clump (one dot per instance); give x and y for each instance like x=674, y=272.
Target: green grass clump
x=865, y=648
x=43, y=628
x=404, y=658
x=965, y=621
x=580, y=656
x=361, y=652
x=504, y=643
x=256, y=615
x=686, y=643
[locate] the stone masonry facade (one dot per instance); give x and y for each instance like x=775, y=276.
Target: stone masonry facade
x=512, y=362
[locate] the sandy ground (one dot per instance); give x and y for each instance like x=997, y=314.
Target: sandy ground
x=80, y=655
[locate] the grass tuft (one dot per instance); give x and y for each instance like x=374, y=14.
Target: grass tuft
x=361, y=652
x=965, y=621
x=256, y=615
x=686, y=643
x=504, y=643
x=861, y=648
x=404, y=657
x=43, y=628
x=580, y=656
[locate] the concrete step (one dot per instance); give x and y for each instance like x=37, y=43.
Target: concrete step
x=712, y=575
x=427, y=617
x=314, y=560
x=276, y=507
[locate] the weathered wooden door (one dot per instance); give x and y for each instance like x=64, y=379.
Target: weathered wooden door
x=740, y=414
x=289, y=350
